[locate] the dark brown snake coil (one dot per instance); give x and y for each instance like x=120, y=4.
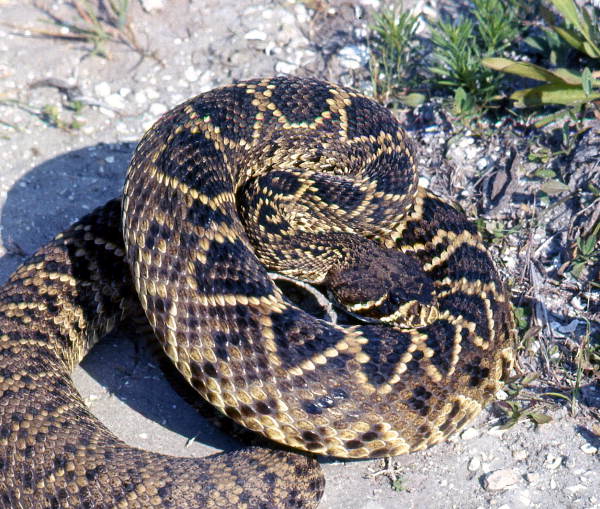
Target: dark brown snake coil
x=318, y=182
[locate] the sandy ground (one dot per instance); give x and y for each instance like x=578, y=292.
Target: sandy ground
x=51, y=175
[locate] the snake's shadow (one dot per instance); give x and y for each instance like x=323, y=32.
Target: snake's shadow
x=43, y=202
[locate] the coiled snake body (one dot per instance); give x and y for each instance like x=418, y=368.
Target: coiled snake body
x=317, y=182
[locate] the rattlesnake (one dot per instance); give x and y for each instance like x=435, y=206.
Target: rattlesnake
x=317, y=182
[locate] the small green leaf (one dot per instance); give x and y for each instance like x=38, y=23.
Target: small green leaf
x=565, y=95
x=413, y=99
x=509, y=423
x=591, y=49
x=545, y=173
x=526, y=70
x=535, y=43
x=398, y=485
x=522, y=317
x=539, y=418
x=571, y=37
x=553, y=187
x=577, y=269
x=586, y=246
x=569, y=11
x=552, y=117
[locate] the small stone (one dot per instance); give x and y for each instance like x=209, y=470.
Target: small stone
x=577, y=303
x=353, y=57
x=285, y=67
x=501, y=395
x=496, y=431
x=576, y=488
x=152, y=5
x=520, y=455
x=107, y=112
x=102, y=89
x=373, y=4
x=469, y=433
x=152, y=93
x=589, y=449
x=532, y=477
x=552, y=484
x=115, y=101
x=424, y=182
x=157, y=109
x=191, y=74
x=474, y=464
x=140, y=97
x=552, y=461
x=255, y=35
x=110, y=159
x=501, y=479
x=465, y=142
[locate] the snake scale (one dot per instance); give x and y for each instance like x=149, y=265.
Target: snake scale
x=297, y=176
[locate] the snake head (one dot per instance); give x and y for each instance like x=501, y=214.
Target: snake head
x=384, y=285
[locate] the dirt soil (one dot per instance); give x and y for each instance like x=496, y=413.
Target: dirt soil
x=69, y=121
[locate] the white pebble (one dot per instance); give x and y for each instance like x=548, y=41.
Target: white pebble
x=191, y=74
x=474, y=464
x=102, y=89
x=140, y=97
x=501, y=479
x=578, y=303
x=553, y=462
x=152, y=93
x=532, y=477
x=496, y=431
x=152, y=5
x=469, y=433
x=157, y=109
x=285, y=67
x=115, y=101
x=576, y=488
x=353, y=57
x=424, y=182
x=589, y=449
x=501, y=395
x=255, y=35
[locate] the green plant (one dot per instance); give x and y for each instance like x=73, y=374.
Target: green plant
x=561, y=86
x=515, y=412
x=50, y=114
x=392, y=55
x=398, y=484
x=522, y=316
x=97, y=23
x=487, y=30
x=586, y=252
